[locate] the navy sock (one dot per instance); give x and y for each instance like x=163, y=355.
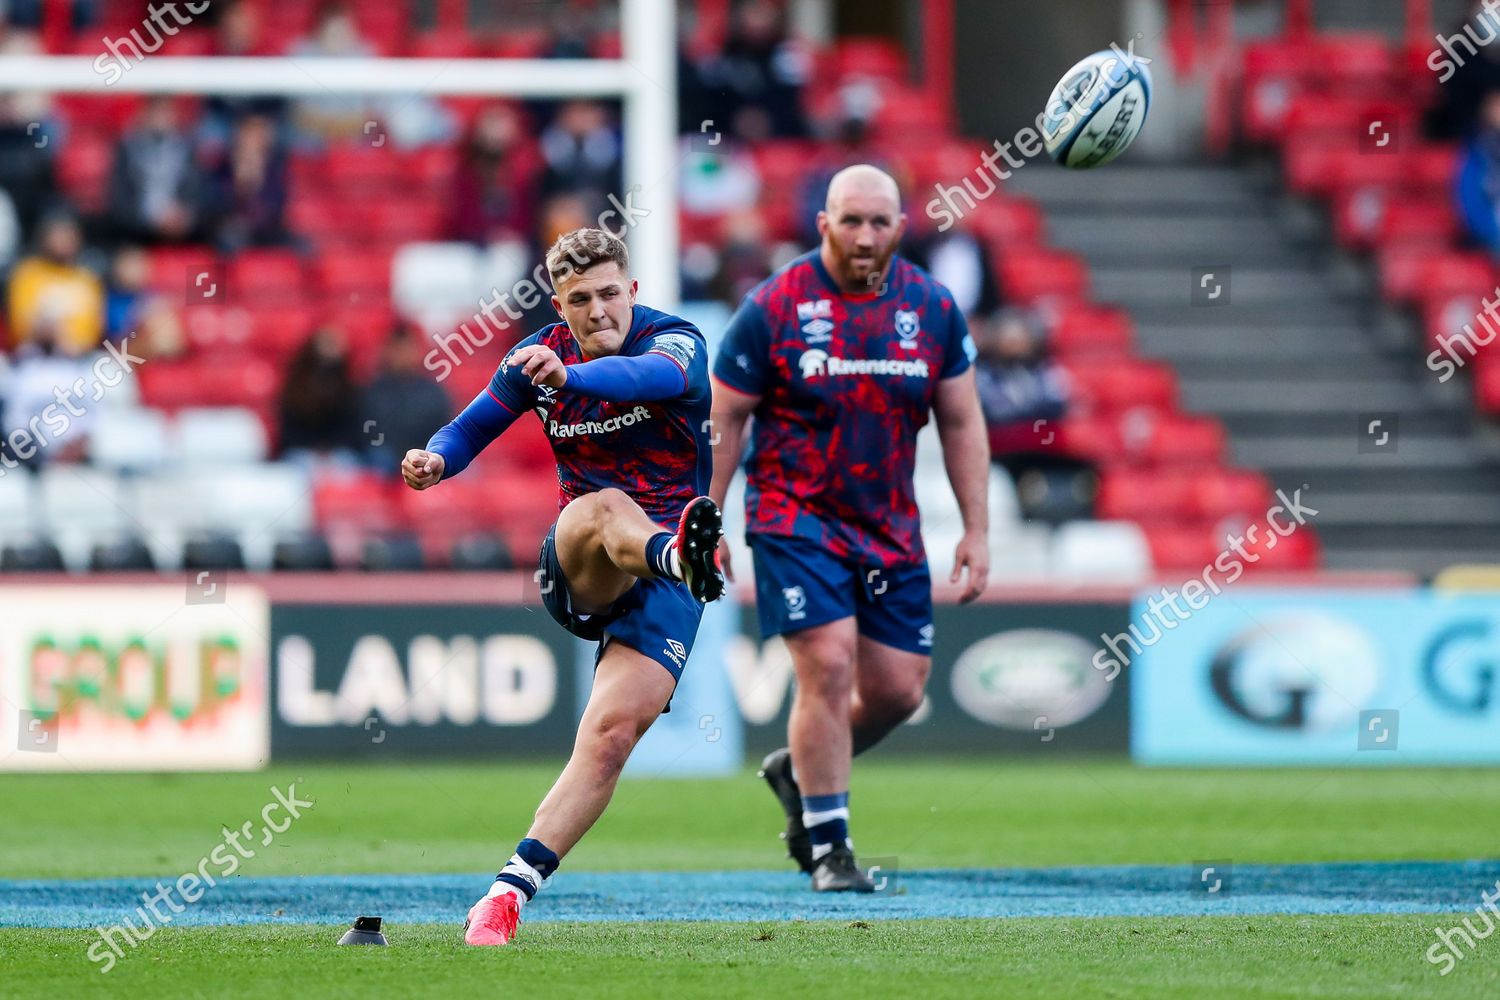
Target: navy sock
x=659, y=555
x=531, y=865
x=827, y=820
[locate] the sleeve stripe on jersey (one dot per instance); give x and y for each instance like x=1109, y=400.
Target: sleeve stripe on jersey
x=491, y=390
x=680, y=366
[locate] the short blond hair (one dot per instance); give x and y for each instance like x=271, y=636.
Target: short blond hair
x=581, y=249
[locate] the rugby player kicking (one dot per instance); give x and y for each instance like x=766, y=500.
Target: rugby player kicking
x=623, y=393
x=841, y=356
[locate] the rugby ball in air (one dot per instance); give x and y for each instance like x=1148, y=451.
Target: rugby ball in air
x=1097, y=109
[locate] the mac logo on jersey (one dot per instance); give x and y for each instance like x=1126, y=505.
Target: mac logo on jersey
x=796, y=602
x=814, y=317
x=908, y=326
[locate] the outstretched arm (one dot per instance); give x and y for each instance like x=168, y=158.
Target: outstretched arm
x=966, y=455
x=458, y=442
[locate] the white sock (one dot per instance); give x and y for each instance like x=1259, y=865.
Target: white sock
x=515, y=866
x=674, y=562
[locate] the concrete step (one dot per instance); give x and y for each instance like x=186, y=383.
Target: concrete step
x=1354, y=394
x=1190, y=285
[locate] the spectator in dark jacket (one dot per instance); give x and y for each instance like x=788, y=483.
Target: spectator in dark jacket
x=26, y=170
x=403, y=404
x=319, y=404
x=494, y=187
x=1456, y=108
x=582, y=153
x=156, y=187
x=248, y=189
x=1024, y=396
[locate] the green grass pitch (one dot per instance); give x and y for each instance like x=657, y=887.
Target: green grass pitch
x=447, y=818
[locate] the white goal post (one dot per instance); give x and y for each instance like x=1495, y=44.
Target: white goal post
x=645, y=79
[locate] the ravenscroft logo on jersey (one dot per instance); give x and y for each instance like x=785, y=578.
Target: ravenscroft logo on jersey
x=908, y=326
x=636, y=415
x=815, y=363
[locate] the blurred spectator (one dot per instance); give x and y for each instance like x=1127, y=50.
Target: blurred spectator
x=28, y=13
x=53, y=284
x=156, y=187
x=403, y=401
x=319, y=415
x=26, y=167
x=1479, y=179
x=132, y=310
x=493, y=188
x=334, y=35
x=237, y=33
x=1458, y=105
x=581, y=152
x=45, y=364
x=716, y=179
x=957, y=259
x=760, y=74
x=561, y=213
x=852, y=143
x=1024, y=395
x=744, y=260
x=247, y=190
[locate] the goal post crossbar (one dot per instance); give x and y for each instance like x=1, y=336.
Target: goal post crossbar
x=644, y=79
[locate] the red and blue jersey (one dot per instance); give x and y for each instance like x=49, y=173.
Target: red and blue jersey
x=654, y=447
x=846, y=382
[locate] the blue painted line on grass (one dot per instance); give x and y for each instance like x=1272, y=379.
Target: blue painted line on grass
x=1360, y=887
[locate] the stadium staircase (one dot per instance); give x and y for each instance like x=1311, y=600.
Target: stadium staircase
x=1293, y=369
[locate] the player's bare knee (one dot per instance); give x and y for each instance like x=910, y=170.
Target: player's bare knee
x=611, y=739
x=826, y=672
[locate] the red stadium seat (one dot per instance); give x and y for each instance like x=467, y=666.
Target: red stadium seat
x=260, y=276
x=354, y=273
x=174, y=268
x=1042, y=274
x=1487, y=389
x=171, y=385
x=1275, y=72
x=1114, y=385
x=867, y=56
x=1008, y=223
x=1181, y=549
x=1214, y=494
x=365, y=502
x=1089, y=331
x=1179, y=439
x=1143, y=496
x=1093, y=438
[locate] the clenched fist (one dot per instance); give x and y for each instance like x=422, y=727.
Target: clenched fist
x=421, y=469
x=540, y=365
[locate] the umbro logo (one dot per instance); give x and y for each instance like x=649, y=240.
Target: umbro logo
x=818, y=331
x=676, y=652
